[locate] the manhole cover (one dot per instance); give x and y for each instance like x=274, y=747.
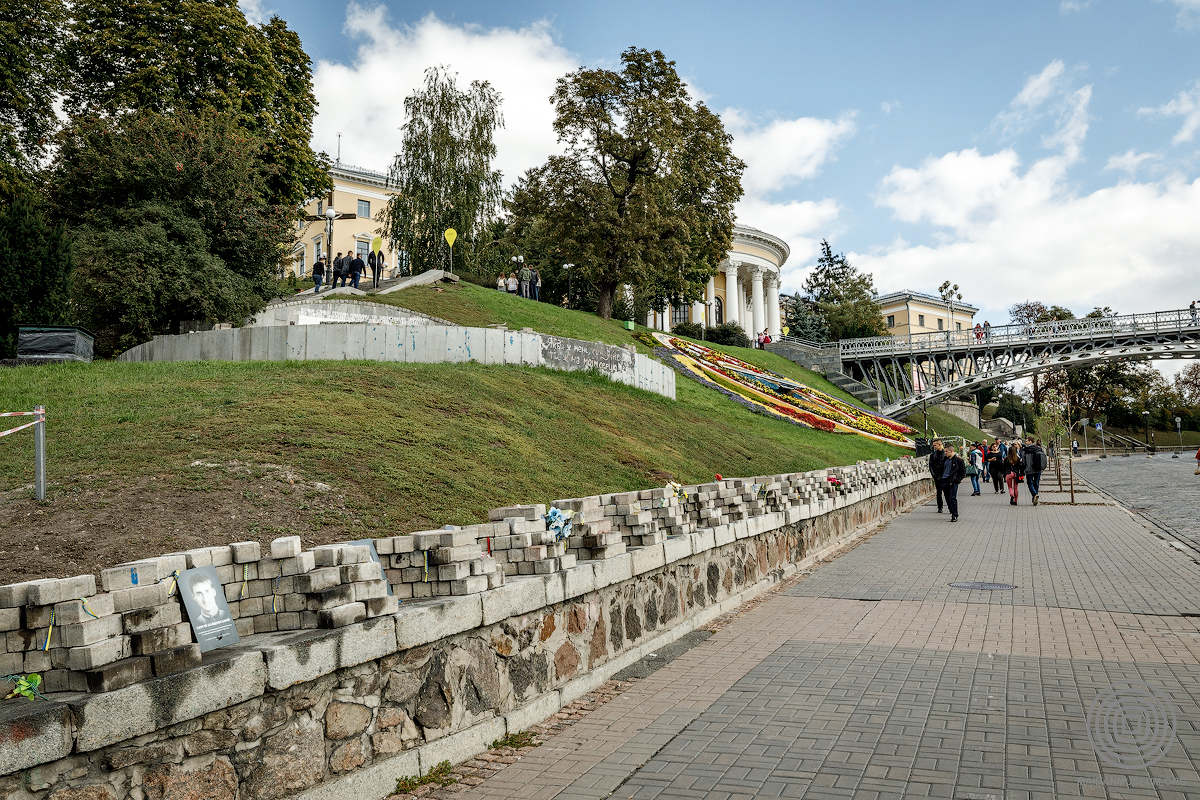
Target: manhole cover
x=988, y=587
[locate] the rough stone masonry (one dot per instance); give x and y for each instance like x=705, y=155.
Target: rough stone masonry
x=339, y=686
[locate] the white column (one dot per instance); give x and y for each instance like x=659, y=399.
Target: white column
x=733, y=299
x=650, y=319
x=698, y=312
x=756, y=290
x=710, y=302
x=773, y=324
x=743, y=314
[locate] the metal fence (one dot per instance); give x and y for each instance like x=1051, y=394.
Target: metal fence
x=39, y=444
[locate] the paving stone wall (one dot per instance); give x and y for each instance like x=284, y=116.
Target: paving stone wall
x=346, y=711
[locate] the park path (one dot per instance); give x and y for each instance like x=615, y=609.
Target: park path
x=873, y=678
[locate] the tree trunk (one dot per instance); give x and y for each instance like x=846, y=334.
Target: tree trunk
x=604, y=305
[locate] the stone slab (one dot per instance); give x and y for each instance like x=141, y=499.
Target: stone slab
x=33, y=733
x=422, y=622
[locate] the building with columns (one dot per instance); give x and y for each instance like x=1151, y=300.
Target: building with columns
x=745, y=290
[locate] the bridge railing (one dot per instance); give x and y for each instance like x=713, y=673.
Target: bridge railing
x=1041, y=332
x=808, y=342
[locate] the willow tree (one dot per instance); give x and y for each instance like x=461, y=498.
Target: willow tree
x=443, y=176
x=644, y=194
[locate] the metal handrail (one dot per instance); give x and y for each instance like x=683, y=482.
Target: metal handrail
x=807, y=342
x=1061, y=330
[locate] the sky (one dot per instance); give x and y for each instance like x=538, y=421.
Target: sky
x=1022, y=150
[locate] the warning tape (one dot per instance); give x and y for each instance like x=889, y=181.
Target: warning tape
x=20, y=428
x=17, y=413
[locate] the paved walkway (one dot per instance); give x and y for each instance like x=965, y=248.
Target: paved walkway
x=1161, y=488
x=873, y=678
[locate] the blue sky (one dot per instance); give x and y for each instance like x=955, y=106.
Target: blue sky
x=1023, y=150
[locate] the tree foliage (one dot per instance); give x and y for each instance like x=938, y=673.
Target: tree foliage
x=37, y=256
x=443, y=174
x=644, y=194
x=197, y=56
x=844, y=297
x=801, y=320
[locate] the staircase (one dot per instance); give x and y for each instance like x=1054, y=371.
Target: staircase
x=860, y=391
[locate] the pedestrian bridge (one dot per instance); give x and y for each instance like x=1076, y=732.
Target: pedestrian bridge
x=929, y=367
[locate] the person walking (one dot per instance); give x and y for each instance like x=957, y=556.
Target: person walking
x=1075, y=447
x=375, y=262
x=937, y=461
x=1014, y=470
x=501, y=284
x=987, y=330
x=523, y=277
x=978, y=332
x=357, y=266
x=953, y=470
x=337, y=271
x=318, y=274
x=996, y=466
x=1192, y=309
x=974, y=467
x=512, y=283
x=1035, y=462
x=535, y=284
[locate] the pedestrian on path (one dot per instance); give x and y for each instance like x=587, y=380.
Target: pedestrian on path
x=535, y=284
x=1014, y=470
x=1035, y=462
x=996, y=466
x=512, y=283
x=1075, y=446
x=1192, y=308
x=501, y=284
x=375, y=262
x=523, y=276
x=337, y=271
x=974, y=468
x=318, y=274
x=937, y=460
x=357, y=266
x=953, y=470
x=1197, y=472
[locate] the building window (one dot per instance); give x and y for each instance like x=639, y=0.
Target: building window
x=958, y=326
x=361, y=249
x=318, y=248
x=679, y=314
x=718, y=312
x=320, y=208
x=921, y=320
x=301, y=258
x=940, y=324
x=364, y=208
x=891, y=320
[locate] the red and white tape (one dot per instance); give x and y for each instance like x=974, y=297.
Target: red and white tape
x=41, y=417
x=17, y=413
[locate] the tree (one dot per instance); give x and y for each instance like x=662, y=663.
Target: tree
x=644, y=194
x=186, y=57
x=180, y=181
x=801, y=320
x=443, y=173
x=31, y=70
x=1187, y=383
x=844, y=297
x=38, y=256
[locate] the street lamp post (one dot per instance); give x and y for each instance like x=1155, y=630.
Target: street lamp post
x=1179, y=430
x=1146, y=418
x=518, y=262
x=568, y=268
x=330, y=216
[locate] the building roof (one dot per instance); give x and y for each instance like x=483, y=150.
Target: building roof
x=358, y=174
x=895, y=298
x=754, y=236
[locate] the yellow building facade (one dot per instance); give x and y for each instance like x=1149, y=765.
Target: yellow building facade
x=907, y=313
x=357, y=191
x=745, y=290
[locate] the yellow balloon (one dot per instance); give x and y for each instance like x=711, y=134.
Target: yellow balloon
x=377, y=244
x=451, y=235
x=785, y=330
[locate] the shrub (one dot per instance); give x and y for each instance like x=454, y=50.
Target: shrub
x=692, y=330
x=729, y=334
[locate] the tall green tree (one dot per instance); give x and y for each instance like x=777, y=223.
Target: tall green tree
x=644, y=193
x=37, y=259
x=802, y=320
x=196, y=56
x=844, y=296
x=443, y=174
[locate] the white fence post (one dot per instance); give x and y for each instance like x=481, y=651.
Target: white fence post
x=39, y=452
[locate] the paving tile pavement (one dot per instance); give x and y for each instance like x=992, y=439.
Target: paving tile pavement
x=872, y=678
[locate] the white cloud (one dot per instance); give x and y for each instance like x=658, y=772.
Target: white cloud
x=1073, y=6
x=364, y=99
x=1024, y=108
x=784, y=151
x=800, y=223
x=1130, y=161
x=1189, y=13
x=1186, y=104
x=254, y=12
x=889, y=106
x=1006, y=234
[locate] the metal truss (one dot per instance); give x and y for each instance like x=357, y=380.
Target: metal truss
x=907, y=370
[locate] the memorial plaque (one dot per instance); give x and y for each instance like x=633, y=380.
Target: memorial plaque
x=204, y=598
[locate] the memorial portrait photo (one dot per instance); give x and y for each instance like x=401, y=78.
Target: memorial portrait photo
x=204, y=598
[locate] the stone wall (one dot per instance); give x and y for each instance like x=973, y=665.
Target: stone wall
x=967, y=412
x=343, y=713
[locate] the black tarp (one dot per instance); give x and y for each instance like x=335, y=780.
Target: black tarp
x=54, y=343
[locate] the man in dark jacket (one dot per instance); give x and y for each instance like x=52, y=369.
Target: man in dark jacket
x=318, y=273
x=1035, y=461
x=357, y=265
x=937, y=460
x=337, y=270
x=375, y=262
x=953, y=471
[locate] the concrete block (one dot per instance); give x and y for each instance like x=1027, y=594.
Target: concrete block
x=146, y=619
x=296, y=338
x=318, y=580
x=455, y=346
x=375, y=342
x=330, y=598
x=245, y=552
x=10, y=620
x=221, y=556
x=520, y=596
x=613, y=570
x=473, y=584
x=98, y=654
x=154, y=594
x=678, y=548
x=531, y=349
x=13, y=595
x=90, y=632
x=512, y=348
x=119, y=674
x=56, y=591
x=724, y=534
x=127, y=576
x=341, y=616
x=703, y=540
x=645, y=559
x=297, y=657
x=152, y=641
x=227, y=677
x=556, y=590
x=579, y=580
x=34, y=734
x=71, y=611
x=285, y=547
x=493, y=346
x=445, y=555
x=454, y=572
x=176, y=659
x=422, y=622
x=363, y=571
x=393, y=343
x=370, y=590
x=416, y=344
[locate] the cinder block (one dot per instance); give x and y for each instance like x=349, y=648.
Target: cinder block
x=445, y=555
x=245, y=552
x=13, y=595
x=340, y=616
x=126, y=576
x=403, y=544
x=10, y=620
x=176, y=659
x=119, y=674
x=144, y=619
x=318, y=580
x=382, y=606
x=222, y=556
x=364, y=571
x=369, y=590
x=154, y=594
x=457, y=538
x=285, y=547
x=90, y=632
x=56, y=591
x=200, y=557
x=96, y=655
x=453, y=572
x=152, y=641
x=72, y=611
x=331, y=598
x=305, y=562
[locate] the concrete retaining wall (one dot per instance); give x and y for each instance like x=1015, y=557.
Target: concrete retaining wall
x=967, y=412
x=424, y=343
x=345, y=712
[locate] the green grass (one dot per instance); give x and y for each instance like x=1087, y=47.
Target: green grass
x=441, y=775
x=945, y=424
x=412, y=446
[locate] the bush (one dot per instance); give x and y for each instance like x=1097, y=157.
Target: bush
x=729, y=334
x=692, y=330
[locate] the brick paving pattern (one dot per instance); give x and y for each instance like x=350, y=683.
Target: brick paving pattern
x=872, y=678
x=1163, y=486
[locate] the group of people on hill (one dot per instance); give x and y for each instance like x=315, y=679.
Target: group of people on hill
x=763, y=339
x=526, y=282
x=1008, y=463
x=348, y=268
